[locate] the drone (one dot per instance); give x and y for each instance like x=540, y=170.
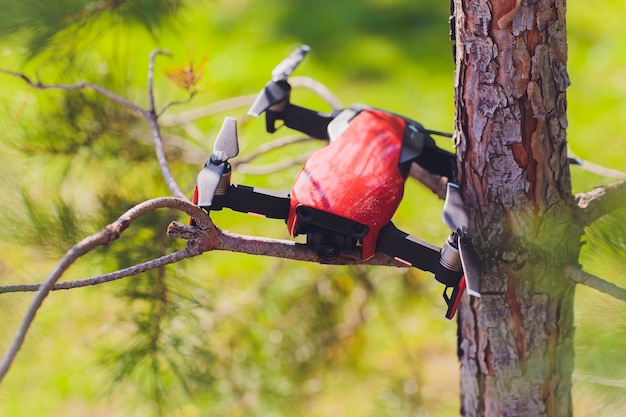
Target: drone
x=347, y=192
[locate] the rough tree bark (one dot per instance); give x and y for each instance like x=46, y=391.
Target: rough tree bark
x=516, y=341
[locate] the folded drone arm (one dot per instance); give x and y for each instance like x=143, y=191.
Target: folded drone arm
x=252, y=200
x=420, y=254
x=309, y=122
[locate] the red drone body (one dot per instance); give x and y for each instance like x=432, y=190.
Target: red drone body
x=356, y=176
x=344, y=198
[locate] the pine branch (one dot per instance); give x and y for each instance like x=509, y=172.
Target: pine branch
x=151, y=114
x=216, y=239
x=601, y=201
x=188, y=252
x=579, y=276
x=78, y=86
x=105, y=236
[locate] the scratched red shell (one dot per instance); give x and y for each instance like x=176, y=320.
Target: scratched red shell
x=356, y=176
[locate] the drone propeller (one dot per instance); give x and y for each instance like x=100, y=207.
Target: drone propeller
x=455, y=217
x=226, y=147
x=278, y=89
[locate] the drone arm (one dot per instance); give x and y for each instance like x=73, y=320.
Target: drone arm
x=244, y=199
x=422, y=255
x=408, y=249
x=436, y=160
x=310, y=122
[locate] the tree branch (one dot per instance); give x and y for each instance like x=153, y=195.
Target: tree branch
x=211, y=109
x=579, y=276
x=601, y=201
x=105, y=236
x=149, y=114
x=318, y=88
x=153, y=55
x=188, y=252
x=436, y=183
x=218, y=239
x=247, y=100
x=609, y=382
x=78, y=86
x=270, y=146
x=152, y=117
x=163, y=164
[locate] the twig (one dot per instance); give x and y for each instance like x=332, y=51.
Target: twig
x=270, y=146
x=188, y=252
x=78, y=86
x=156, y=130
x=163, y=164
x=435, y=182
x=601, y=201
x=609, y=382
x=105, y=236
x=213, y=108
x=581, y=277
x=149, y=114
x=247, y=100
x=153, y=56
x=176, y=103
x=594, y=168
x=242, y=165
x=318, y=88
x=272, y=168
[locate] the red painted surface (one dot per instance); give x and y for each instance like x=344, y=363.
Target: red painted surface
x=356, y=176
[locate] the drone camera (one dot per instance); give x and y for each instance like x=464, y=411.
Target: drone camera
x=328, y=244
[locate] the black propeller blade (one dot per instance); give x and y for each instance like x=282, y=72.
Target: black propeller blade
x=455, y=217
x=226, y=147
x=278, y=89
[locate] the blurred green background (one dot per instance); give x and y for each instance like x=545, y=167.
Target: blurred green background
x=228, y=334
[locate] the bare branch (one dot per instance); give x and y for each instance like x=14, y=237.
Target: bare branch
x=318, y=88
x=247, y=100
x=160, y=152
x=272, y=168
x=270, y=146
x=218, y=239
x=105, y=236
x=153, y=56
x=176, y=103
x=209, y=110
x=188, y=252
x=149, y=114
x=601, y=201
x=581, y=277
x=152, y=117
x=596, y=169
x=609, y=382
x=78, y=86
x=435, y=182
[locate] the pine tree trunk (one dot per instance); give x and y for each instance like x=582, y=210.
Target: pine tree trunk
x=516, y=341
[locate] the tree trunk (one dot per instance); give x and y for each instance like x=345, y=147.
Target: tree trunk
x=516, y=341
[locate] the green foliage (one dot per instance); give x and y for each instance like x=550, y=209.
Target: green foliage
x=40, y=25
x=227, y=334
